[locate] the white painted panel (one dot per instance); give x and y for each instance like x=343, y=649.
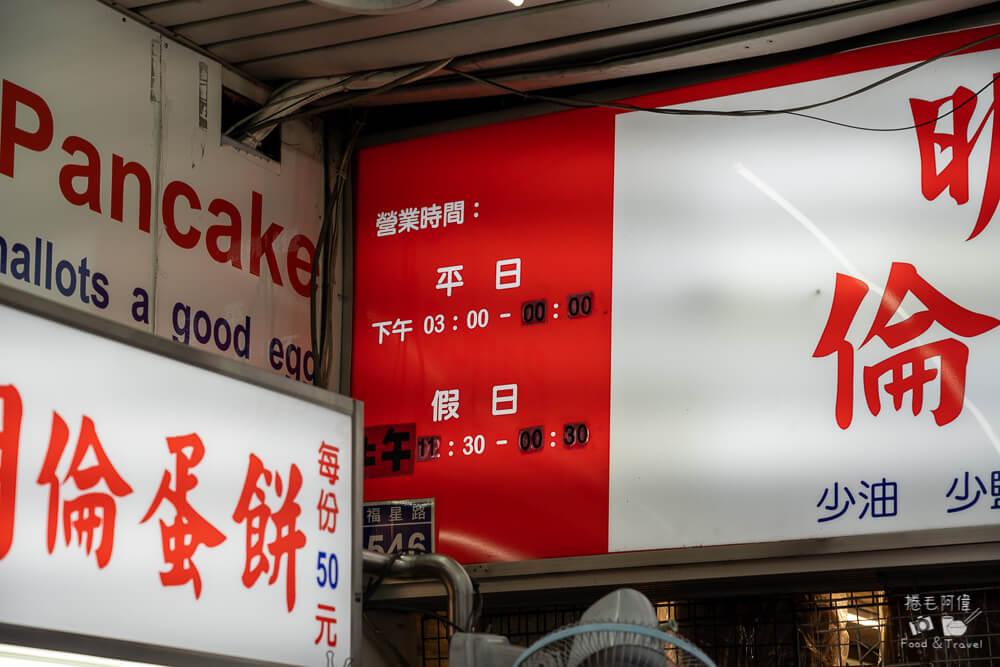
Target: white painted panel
x=89, y=71
x=135, y=402
x=291, y=199
x=729, y=233
x=109, y=83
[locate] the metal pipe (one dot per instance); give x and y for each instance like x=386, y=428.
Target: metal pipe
x=461, y=594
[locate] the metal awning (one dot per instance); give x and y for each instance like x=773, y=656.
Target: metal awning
x=542, y=44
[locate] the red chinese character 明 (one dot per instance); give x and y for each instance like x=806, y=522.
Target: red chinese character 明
x=954, y=354
x=189, y=529
x=10, y=437
x=253, y=509
x=89, y=511
x=955, y=176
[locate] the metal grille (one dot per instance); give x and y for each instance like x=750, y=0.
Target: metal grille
x=953, y=627
x=522, y=627
x=526, y=629
x=434, y=643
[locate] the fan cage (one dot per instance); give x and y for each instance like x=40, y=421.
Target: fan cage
x=611, y=644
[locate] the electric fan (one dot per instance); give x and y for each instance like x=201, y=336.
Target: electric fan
x=619, y=630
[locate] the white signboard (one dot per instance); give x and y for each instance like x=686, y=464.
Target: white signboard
x=805, y=339
x=120, y=197
x=148, y=500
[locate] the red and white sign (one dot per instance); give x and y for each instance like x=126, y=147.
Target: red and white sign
x=826, y=310
x=121, y=199
x=482, y=241
x=147, y=500
x=773, y=306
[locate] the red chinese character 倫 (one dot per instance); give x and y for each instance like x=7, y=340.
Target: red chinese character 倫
x=955, y=176
x=253, y=509
x=10, y=437
x=89, y=511
x=954, y=354
x=189, y=529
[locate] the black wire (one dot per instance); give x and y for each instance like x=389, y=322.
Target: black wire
x=375, y=583
x=578, y=102
x=378, y=606
x=954, y=108
x=318, y=255
x=348, y=98
x=326, y=244
x=318, y=259
x=294, y=100
x=331, y=251
x=477, y=607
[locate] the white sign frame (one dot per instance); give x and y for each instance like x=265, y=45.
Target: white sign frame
x=63, y=316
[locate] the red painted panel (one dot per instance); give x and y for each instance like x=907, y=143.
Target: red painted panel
x=544, y=192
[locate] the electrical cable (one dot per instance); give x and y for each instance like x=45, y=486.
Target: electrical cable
x=326, y=245
x=477, y=607
x=578, y=102
x=277, y=91
x=876, y=84
x=377, y=581
x=293, y=99
x=378, y=606
x=347, y=99
x=318, y=260
x=328, y=287
x=954, y=108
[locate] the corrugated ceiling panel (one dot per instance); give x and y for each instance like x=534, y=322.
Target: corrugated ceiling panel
x=364, y=27
x=278, y=40
x=651, y=35
x=764, y=41
x=499, y=31
x=177, y=12
x=263, y=21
